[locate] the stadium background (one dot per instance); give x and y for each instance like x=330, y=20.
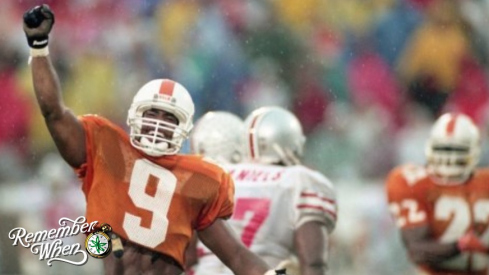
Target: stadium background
x=365, y=77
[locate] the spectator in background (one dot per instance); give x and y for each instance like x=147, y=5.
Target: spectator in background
x=409, y=141
x=91, y=73
x=475, y=14
x=310, y=99
x=16, y=116
x=174, y=23
x=393, y=31
x=371, y=82
x=264, y=86
x=421, y=5
x=430, y=65
x=329, y=148
x=471, y=94
x=14, y=103
x=267, y=27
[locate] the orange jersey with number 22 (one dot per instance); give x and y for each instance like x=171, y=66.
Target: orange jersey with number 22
x=450, y=211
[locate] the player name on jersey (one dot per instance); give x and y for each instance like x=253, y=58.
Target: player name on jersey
x=256, y=175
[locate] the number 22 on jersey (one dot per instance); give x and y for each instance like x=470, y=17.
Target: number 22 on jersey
x=454, y=209
x=145, y=174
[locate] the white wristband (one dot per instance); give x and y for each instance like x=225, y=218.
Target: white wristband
x=39, y=52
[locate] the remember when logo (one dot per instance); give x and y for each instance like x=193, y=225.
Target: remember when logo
x=98, y=244
x=48, y=244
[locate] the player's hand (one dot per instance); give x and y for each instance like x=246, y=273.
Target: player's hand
x=471, y=243
x=38, y=23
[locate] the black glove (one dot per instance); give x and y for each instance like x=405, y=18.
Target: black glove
x=38, y=23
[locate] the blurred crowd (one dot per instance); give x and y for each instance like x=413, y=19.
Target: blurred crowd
x=357, y=73
x=366, y=77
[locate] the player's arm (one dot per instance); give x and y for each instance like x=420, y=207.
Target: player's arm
x=222, y=241
x=65, y=129
x=410, y=215
x=410, y=212
x=424, y=250
x=191, y=257
x=311, y=245
x=315, y=218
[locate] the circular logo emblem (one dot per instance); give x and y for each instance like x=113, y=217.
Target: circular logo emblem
x=98, y=243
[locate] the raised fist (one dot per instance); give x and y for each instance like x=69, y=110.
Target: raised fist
x=38, y=23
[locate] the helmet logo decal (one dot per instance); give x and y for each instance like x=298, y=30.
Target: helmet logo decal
x=451, y=125
x=167, y=87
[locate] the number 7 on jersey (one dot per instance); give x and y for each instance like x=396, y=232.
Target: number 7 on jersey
x=253, y=212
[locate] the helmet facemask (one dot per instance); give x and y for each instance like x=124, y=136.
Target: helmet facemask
x=451, y=164
x=157, y=137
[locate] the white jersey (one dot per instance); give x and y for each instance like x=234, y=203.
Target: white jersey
x=271, y=202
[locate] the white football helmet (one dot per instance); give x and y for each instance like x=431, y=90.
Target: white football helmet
x=453, y=149
x=169, y=96
x=274, y=135
x=219, y=135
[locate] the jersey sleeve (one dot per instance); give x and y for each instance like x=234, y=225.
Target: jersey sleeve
x=315, y=200
x=405, y=197
x=222, y=204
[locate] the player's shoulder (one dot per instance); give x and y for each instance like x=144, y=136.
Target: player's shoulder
x=94, y=119
x=98, y=126
x=305, y=172
x=91, y=121
x=406, y=176
x=101, y=126
x=482, y=173
x=202, y=166
x=300, y=178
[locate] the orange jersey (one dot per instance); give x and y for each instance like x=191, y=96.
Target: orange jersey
x=450, y=211
x=153, y=202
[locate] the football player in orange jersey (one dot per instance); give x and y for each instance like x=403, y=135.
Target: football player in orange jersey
x=153, y=198
x=442, y=208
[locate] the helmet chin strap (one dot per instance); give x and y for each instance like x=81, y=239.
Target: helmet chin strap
x=152, y=148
